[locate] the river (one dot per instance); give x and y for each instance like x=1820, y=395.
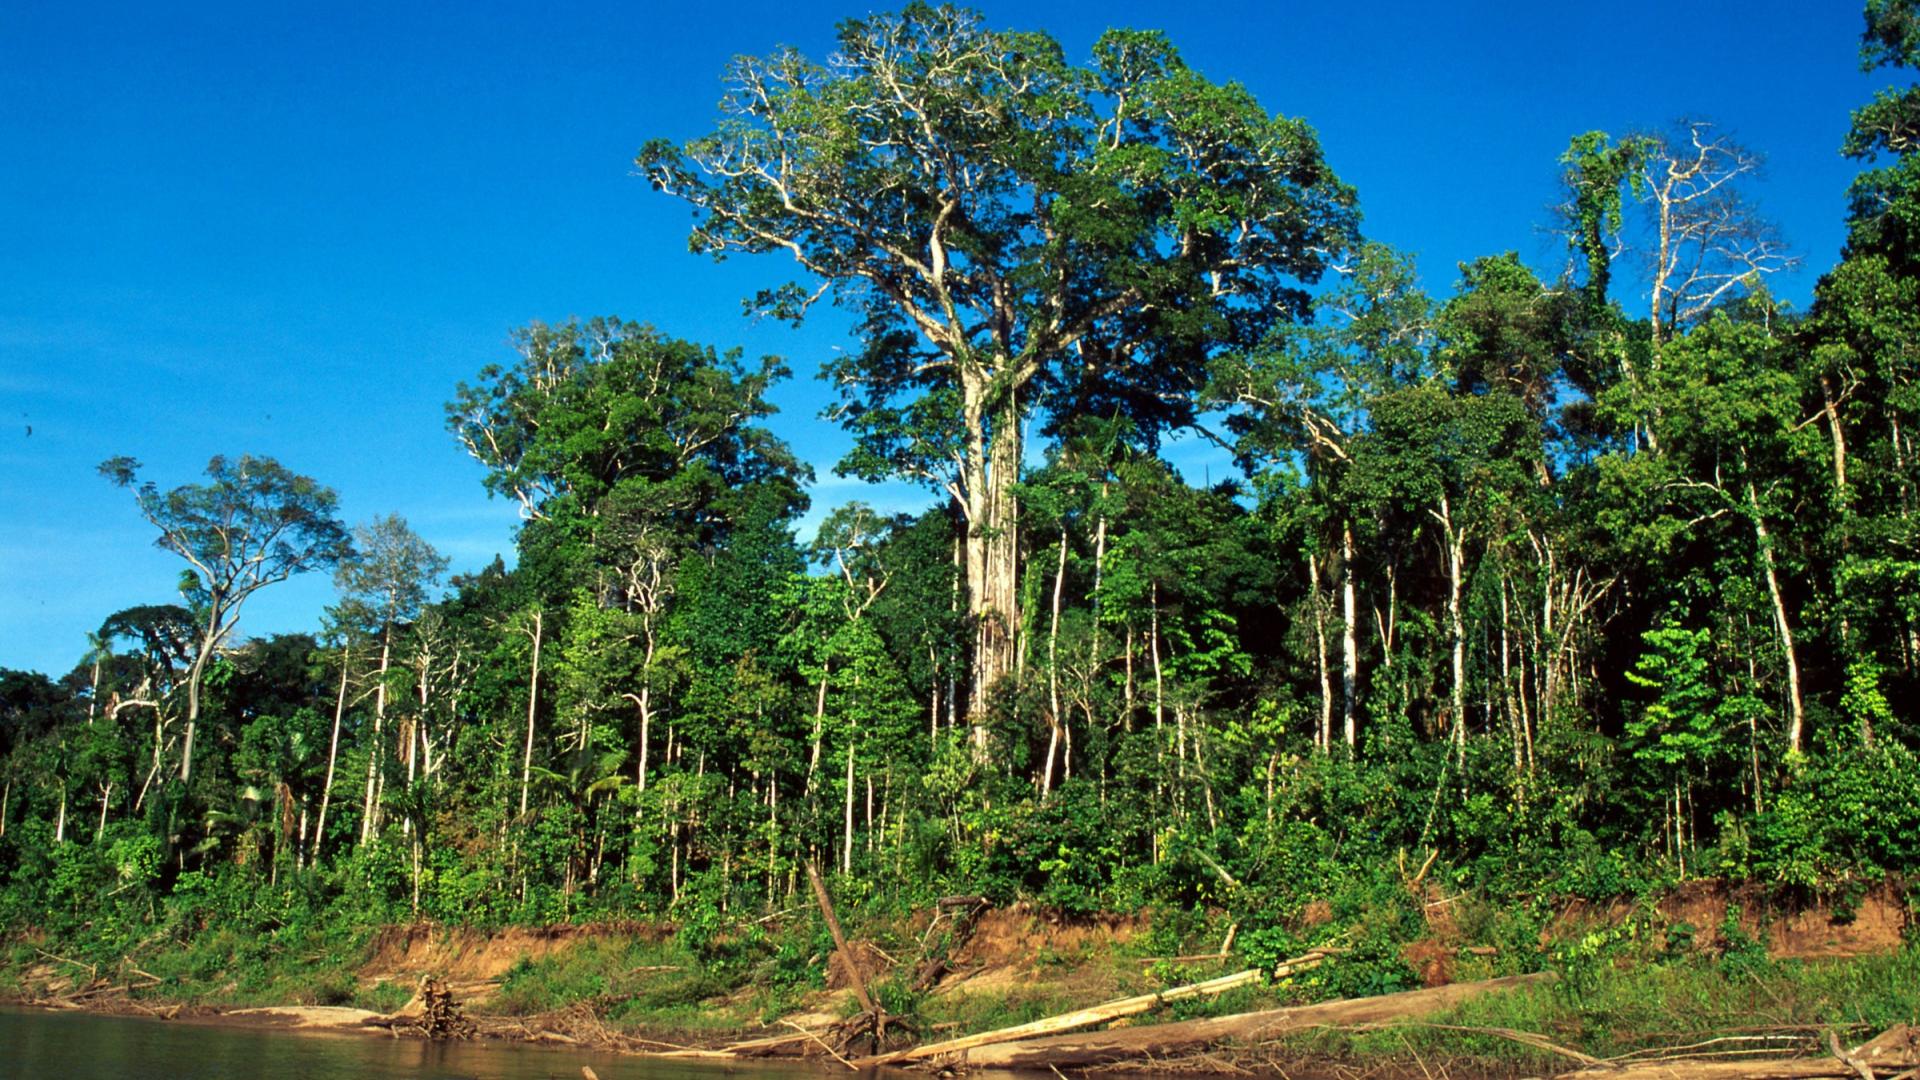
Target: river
x=85, y=1046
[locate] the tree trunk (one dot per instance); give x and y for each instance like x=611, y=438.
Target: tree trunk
x=819, y=726
x=644, y=701
x=1797, y=726
x=416, y=745
x=1753, y=723
x=1843, y=501
x=369, y=823
x=773, y=833
x=333, y=754
x=846, y=846
x=1093, y=633
x=533, y=700
x=1456, y=623
x=1838, y=434
x=993, y=535
x=1055, y=720
x=933, y=699
x=1322, y=735
x=1159, y=680
x=1509, y=699
x=1349, y=643
x=1179, y=1038
x=202, y=656
x=409, y=737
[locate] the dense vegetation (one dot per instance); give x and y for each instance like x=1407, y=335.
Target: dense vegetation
x=1583, y=580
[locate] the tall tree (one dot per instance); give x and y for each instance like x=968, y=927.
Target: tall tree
x=254, y=524
x=388, y=579
x=1306, y=397
x=1018, y=233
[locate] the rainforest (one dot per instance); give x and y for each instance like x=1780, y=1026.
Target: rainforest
x=1566, y=621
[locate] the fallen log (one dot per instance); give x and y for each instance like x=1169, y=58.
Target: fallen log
x=1898, y=1047
x=1097, y=1014
x=1161, y=1040
x=1820, y=1068
x=839, y=940
x=123, y=988
x=1894, y=1051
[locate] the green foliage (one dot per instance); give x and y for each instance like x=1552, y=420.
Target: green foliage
x=1852, y=814
x=1597, y=171
x=1522, y=601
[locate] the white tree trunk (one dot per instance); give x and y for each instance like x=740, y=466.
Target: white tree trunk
x=1055, y=719
x=1323, y=734
x=533, y=699
x=846, y=845
x=1349, y=642
x=333, y=755
x=1797, y=726
x=1456, y=623
x=369, y=814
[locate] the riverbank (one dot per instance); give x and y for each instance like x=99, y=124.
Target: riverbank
x=1702, y=967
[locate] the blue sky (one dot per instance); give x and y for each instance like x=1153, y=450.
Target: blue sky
x=290, y=229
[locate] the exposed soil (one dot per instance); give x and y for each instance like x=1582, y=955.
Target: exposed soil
x=472, y=962
x=1012, y=952
x=1020, y=949
x=1021, y=935
x=1432, y=960
x=1788, y=928
x=870, y=960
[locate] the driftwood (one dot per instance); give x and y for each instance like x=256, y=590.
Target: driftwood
x=964, y=913
x=1097, y=1014
x=1898, y=1047
x=1188, y=1036
x=1821, y=1068
x=1894, y=1053
x=432, y=1014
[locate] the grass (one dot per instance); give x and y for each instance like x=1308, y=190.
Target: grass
x=1621, y=991
x=1620, y=1008
x=631, y=984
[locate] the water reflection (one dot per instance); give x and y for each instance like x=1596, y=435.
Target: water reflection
x=40, y=1044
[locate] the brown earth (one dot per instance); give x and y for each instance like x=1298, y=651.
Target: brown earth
x=1788, y=928
x=1019, y=951
x=1021, y=946
x=1021, y=934
x=1432, y=960
x=472, y=962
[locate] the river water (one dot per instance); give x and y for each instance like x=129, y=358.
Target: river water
x=84, y=1046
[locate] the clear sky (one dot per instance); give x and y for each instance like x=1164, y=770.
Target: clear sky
x=290, y=228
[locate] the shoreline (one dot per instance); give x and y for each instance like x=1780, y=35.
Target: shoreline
x=345, y=1020
x=1252, y=1044
x=1641, y=982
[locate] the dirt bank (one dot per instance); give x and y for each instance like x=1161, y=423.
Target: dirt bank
x=1017, y=963
x=1790, y=928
